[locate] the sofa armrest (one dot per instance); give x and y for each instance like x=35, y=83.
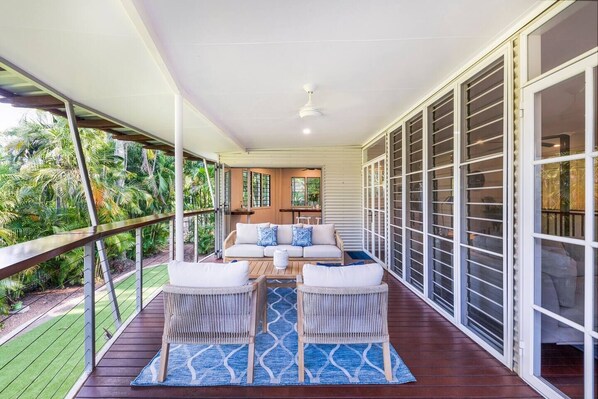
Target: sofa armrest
x=230, y=240
x=339, y=242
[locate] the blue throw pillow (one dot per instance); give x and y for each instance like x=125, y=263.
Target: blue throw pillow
x=266, y=236
x=302, y=236
x=358, y=263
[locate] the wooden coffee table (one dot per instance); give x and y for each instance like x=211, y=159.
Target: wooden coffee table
x=266, y=268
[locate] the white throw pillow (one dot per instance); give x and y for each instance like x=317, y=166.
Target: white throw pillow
x=204, y=275
x=343, y=276
x=323, y=234
x=285, y=233
x=247, y=233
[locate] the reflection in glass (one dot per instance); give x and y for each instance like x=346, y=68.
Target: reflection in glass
x=562, y=270
x=558, y=360
x=570, y=33
x=484, y=298
x=559, y=125
x=416, y=259
x=563, y=198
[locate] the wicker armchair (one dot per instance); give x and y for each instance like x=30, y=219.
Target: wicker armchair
x=351, y=315
x=214, y=316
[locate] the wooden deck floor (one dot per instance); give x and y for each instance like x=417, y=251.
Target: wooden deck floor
x=445, y=362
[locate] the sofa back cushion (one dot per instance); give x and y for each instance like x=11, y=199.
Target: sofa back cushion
x=285, y=233
x=302, y=236
x=247, y=233
x=267, y=236
x=323, y=234
x=343, y=276
x=198, y=275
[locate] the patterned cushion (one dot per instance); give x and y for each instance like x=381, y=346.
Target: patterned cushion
x=302, y=236
x=266, y=236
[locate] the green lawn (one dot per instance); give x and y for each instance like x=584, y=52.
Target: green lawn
x=46, y=361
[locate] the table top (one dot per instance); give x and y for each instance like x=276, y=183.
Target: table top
x=242, y=212
x=266, y=268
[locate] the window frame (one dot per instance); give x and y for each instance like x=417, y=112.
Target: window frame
x=306, y=202
x=264, y=196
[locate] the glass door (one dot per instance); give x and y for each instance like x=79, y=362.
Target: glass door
x=560, y=240
x=374, y=198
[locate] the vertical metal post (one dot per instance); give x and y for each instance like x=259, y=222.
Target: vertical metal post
x=178, y=178
x=89, y=313
x=171, y=240
x=91, y=208
x=205, y=167
x=139, y=267
x=195, y=238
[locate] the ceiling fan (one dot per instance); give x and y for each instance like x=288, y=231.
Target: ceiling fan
x=309, y=109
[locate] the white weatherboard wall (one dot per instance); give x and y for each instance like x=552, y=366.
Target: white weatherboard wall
x=341, y=181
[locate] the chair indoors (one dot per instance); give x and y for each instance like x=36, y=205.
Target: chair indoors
x=342, y=305
x=211, y=303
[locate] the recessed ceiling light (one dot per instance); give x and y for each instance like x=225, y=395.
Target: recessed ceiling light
x=556, y=145
x=306, y=131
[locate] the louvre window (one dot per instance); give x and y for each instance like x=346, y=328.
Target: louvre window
x=482, y=219
x=396, y=193
x=415, y=210
x=441, y=183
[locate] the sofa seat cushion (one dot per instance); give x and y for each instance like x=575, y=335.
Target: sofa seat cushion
x=343, y=276
x=244, y=251
x=247, y=233
x=322, y=251
x=198, y=275
x=294, y=252
x=323, y=234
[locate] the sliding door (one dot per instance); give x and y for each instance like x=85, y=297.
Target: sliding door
x=561, y=237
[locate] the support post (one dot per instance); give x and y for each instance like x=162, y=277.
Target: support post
x=195, y=238
x=91, y=208
x=89, y=312
x=171, y=240
x=178, y=178
x=139, y=267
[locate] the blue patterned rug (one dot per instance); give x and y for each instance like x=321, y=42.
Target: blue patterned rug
x=275, y=358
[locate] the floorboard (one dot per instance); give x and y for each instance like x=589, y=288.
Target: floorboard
x=445, y=362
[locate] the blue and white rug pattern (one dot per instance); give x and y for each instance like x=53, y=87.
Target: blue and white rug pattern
x=275, y=358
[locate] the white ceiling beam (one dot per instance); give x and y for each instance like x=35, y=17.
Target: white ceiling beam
x=151, y=43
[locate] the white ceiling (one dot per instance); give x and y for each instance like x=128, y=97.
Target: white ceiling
x=242, y=64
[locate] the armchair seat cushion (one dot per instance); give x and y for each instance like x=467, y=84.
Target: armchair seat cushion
x=322, y=251
x=343, y=276
x=294, y=252
x=244, y=251
x=204, y=275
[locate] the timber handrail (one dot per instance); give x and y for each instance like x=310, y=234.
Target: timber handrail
x=20, y=257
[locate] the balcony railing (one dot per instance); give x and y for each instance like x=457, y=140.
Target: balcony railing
x=54, y=352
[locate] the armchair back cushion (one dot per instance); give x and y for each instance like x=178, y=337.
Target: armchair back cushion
x=247, y=232
x=342, y=276
x=323, y=234
x=204, y=275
